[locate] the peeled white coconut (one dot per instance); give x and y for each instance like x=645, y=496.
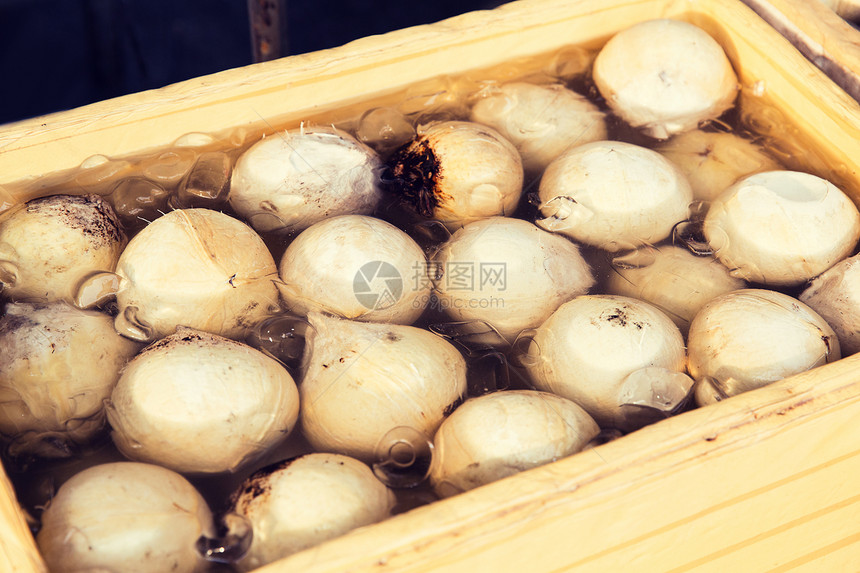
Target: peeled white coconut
x=289, y=180
x=357, y=267
x=713, y=161
x=58, y=364
x=199, y=403
x=197, y=268
x=125, y=516
x=606, y=352
x=835, y=296
x=49, y=246
x=362, y=380
x=673, y=279
x=458, y=172
x=748, y=338
x=301, y=502
x=782, y=228
x=665, y=77
x=613, y=195
x=540, y=120
x=500, y=434
x=508, y=273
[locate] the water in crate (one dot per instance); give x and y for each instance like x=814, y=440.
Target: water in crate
x=379, y=391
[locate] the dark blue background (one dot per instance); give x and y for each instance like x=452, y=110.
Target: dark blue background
x=60, y=54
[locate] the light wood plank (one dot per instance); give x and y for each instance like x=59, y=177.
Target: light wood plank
x=18, y=551
x=821, y=34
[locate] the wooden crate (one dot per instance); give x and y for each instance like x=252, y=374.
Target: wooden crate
x=769, y=480
x=822, y=35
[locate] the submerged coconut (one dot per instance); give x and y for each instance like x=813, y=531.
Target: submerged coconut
x=458, y=172
x=665, y=77
x=748, y=338
x=509, y=274
x=58, y=365
x=540, y=120
x=125, y=516
x=361, y=380
x=49, y=246
x=500, y=434
x=199, y=403
x=600, y=351
x=290, y=180
x=301, y=502
x=613, y=195
x=196, y=268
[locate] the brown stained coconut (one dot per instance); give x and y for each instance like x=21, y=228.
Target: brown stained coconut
x=90, y=214
x=50, y=245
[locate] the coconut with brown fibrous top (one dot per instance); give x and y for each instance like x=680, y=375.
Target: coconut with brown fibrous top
x=125, y=516
x=835, y=296
x=781, y=228
x=290, y=180
x=665, y=77
x=500, y=434
x=712, y=161
x=540, y=120
x=197, y=268
x=358, y=267
x=361, y=380
x=613, y=195
x=458, y=172
x=509, y=274
x=58, y=364
x=199, y=404
x=748, y=338
x=301, y=502
x=49, y=246
x=612, y=355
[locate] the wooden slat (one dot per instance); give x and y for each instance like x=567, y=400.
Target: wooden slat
x=823, y=36
x=18, y=552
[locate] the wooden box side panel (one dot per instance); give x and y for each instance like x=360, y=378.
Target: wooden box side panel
x=820, y=34
x=18, y=551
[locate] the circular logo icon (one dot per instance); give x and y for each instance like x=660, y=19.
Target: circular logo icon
x=377, y=285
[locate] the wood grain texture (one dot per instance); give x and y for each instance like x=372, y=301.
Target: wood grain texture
x=18, y=551
x=821, y=34
x=758, y=482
